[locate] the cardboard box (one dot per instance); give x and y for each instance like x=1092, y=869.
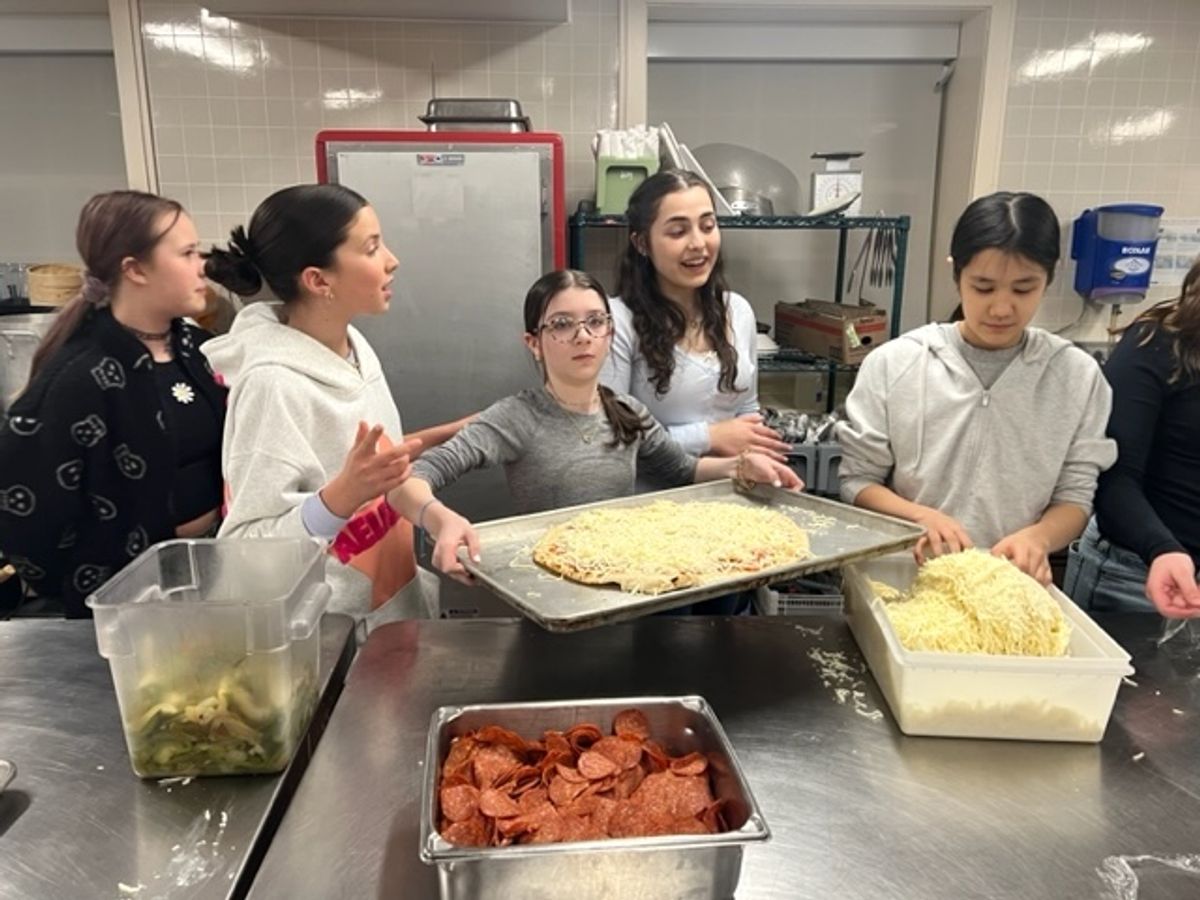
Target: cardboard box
x=835, y=330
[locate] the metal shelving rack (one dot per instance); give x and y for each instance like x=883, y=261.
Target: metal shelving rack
x=793, y=361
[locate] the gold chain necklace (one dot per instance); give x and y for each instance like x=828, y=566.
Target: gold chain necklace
x=562, y=407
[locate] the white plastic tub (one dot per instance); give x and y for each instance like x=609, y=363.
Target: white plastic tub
x=984, y=696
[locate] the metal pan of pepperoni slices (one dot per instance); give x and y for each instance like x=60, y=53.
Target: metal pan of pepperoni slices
x=585, y=798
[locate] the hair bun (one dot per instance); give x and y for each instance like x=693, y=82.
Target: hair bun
x=234, y=268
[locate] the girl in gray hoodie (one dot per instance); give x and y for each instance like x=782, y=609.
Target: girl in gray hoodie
x=988, y=432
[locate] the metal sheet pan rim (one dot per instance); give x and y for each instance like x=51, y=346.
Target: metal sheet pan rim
x=435, y=850
x=643, y=604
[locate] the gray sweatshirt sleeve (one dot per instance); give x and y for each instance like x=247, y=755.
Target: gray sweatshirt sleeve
x=1091, y=451
x=660, y=455
x=496, y=436
x=867, y=456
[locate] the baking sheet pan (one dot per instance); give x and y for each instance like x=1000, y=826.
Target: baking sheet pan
x=838, y=534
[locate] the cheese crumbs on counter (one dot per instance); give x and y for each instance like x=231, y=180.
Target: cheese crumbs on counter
x=973, y=602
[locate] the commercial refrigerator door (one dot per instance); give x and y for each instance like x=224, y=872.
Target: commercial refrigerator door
x=473, y=225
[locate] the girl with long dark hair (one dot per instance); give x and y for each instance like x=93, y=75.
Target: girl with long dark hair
x=1145, y=539
x=684, y=344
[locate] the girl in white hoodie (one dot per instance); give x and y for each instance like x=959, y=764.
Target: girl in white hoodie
x=988, y=432
x=313, y=439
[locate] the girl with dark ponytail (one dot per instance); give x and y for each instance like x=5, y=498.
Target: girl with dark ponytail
x=313, y=440
x=115, y=443
x=570, y=441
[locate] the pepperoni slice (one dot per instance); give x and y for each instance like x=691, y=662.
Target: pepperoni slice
x=495, y=734
x=582, y=736
x=632, y=723
x=602, y=813
x=692, y=764
x=654, y=755
x=562, y=792
x=571, y=774
x=625, y=752
x=556, y=742
x=524, y=779
x=498, y=804
x=691, y=796
x=513, y=827
x=713, y=817
x=493, y=764
x=461, y=749
x=627, y=783
x=574, y=828
x=594, y=766
x=459, y=802
x=531, y=800
x=546, y=826
x=471, y=833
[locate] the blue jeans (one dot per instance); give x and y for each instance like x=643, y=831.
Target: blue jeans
x=1104, y=577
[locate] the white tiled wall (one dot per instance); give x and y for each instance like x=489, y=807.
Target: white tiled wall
x=1104, y=100
x=1103, y=107
x=236, y=104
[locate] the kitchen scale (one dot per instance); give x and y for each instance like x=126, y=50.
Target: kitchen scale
x=838, y=189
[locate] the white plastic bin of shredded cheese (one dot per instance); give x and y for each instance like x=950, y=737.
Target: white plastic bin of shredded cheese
x=982, y=695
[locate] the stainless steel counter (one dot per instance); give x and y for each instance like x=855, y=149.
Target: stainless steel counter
x=856, y=809
x=77, y=823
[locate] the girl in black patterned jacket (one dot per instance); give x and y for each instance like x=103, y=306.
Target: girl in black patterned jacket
x=115, y=444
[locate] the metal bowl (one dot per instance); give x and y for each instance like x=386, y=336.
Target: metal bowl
x=732, y=166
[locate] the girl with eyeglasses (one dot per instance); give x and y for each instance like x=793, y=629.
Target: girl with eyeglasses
x=568, y=442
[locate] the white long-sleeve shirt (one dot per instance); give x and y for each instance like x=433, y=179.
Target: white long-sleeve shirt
x=692, y=400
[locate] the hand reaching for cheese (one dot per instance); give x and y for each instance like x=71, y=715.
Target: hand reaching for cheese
x=943, y=534
x=1027, y=552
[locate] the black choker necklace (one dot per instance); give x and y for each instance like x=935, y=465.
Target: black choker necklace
x=148, y=335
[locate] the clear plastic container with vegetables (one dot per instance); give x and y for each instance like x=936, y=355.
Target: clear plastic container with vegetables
x=214, y=648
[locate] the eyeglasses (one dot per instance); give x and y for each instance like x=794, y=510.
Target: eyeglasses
x=566, y=328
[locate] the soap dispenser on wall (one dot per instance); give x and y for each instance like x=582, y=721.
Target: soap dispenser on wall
x=1113, y=248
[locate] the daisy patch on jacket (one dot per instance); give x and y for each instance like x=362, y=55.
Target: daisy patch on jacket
x=183, y=392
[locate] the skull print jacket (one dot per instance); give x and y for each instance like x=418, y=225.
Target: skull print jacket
x=87, y=459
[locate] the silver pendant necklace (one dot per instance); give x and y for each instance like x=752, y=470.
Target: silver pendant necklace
x=587, y=436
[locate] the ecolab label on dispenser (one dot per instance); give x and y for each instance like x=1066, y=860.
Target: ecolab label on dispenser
x=1132, y=265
